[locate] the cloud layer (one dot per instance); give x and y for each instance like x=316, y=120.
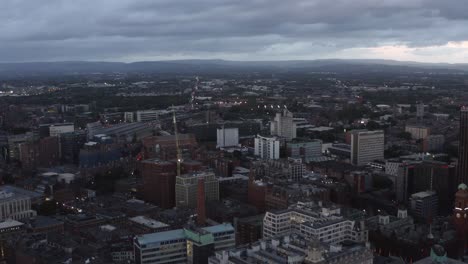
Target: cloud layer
x=130, y=30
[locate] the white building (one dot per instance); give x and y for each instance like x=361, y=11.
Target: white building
x=267, y=147
x=147, y=115
x=295, y=249
x=129, y=117
x=15, y=206
x=325, y=223
x=283, y=125
x=227, y=137
x=367, y=146
x=57, y=129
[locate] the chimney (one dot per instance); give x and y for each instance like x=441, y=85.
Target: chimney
x=201, y=210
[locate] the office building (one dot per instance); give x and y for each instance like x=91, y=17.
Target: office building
x=267, y=147
x=326, y=223
x=366, y=146
x=227, y=137
x=159, y=178
x=15, y=206
x=283, y=125
x=297, y=249
x=424, y=205
x=463, y=147
x=186, y=188
x=418, y=131
x=188, y=245
x=304, y=149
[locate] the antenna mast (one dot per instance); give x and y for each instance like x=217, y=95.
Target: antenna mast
x=179, y=154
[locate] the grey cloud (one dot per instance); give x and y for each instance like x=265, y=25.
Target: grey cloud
x=121, y=29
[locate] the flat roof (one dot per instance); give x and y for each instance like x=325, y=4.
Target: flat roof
x=148, y=222
x=10, y=223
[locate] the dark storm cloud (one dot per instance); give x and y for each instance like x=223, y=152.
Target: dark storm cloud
x=254, y=29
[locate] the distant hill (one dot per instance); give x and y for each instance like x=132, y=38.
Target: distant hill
x=223, y=66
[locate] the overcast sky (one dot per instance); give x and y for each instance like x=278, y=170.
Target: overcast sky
x=134, y=30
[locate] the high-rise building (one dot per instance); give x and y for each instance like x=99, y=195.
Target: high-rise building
x=366, y=146
x=159, y=182
x=186, y=188
x=70, y=145
x=227, y=137
x=267, y=147
x=283, y=125
x=463, y=147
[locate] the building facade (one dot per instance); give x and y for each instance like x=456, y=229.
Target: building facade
x=186, y=188
x=227, y=137
x=188, y=245
x=283, y=125
x=367, y=146
x=325, y=223
x=267, y=147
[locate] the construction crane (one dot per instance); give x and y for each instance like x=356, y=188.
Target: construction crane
x=179, y=154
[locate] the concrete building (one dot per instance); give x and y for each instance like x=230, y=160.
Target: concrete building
x=267, y=147
x=366, y=146
x=188, y=245
x=129, y=117
x=418, y=131
x=327, y=224
x=283, y=125
x=187, y=185
x=58, y=129
x=295, y=249
x=289, y=169
x=15, y=206
x=227, y=137
x=424, y=205
x=304, y=149
x=147, y=115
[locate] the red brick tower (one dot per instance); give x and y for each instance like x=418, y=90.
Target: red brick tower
x=201, y=208
x=460, y=216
